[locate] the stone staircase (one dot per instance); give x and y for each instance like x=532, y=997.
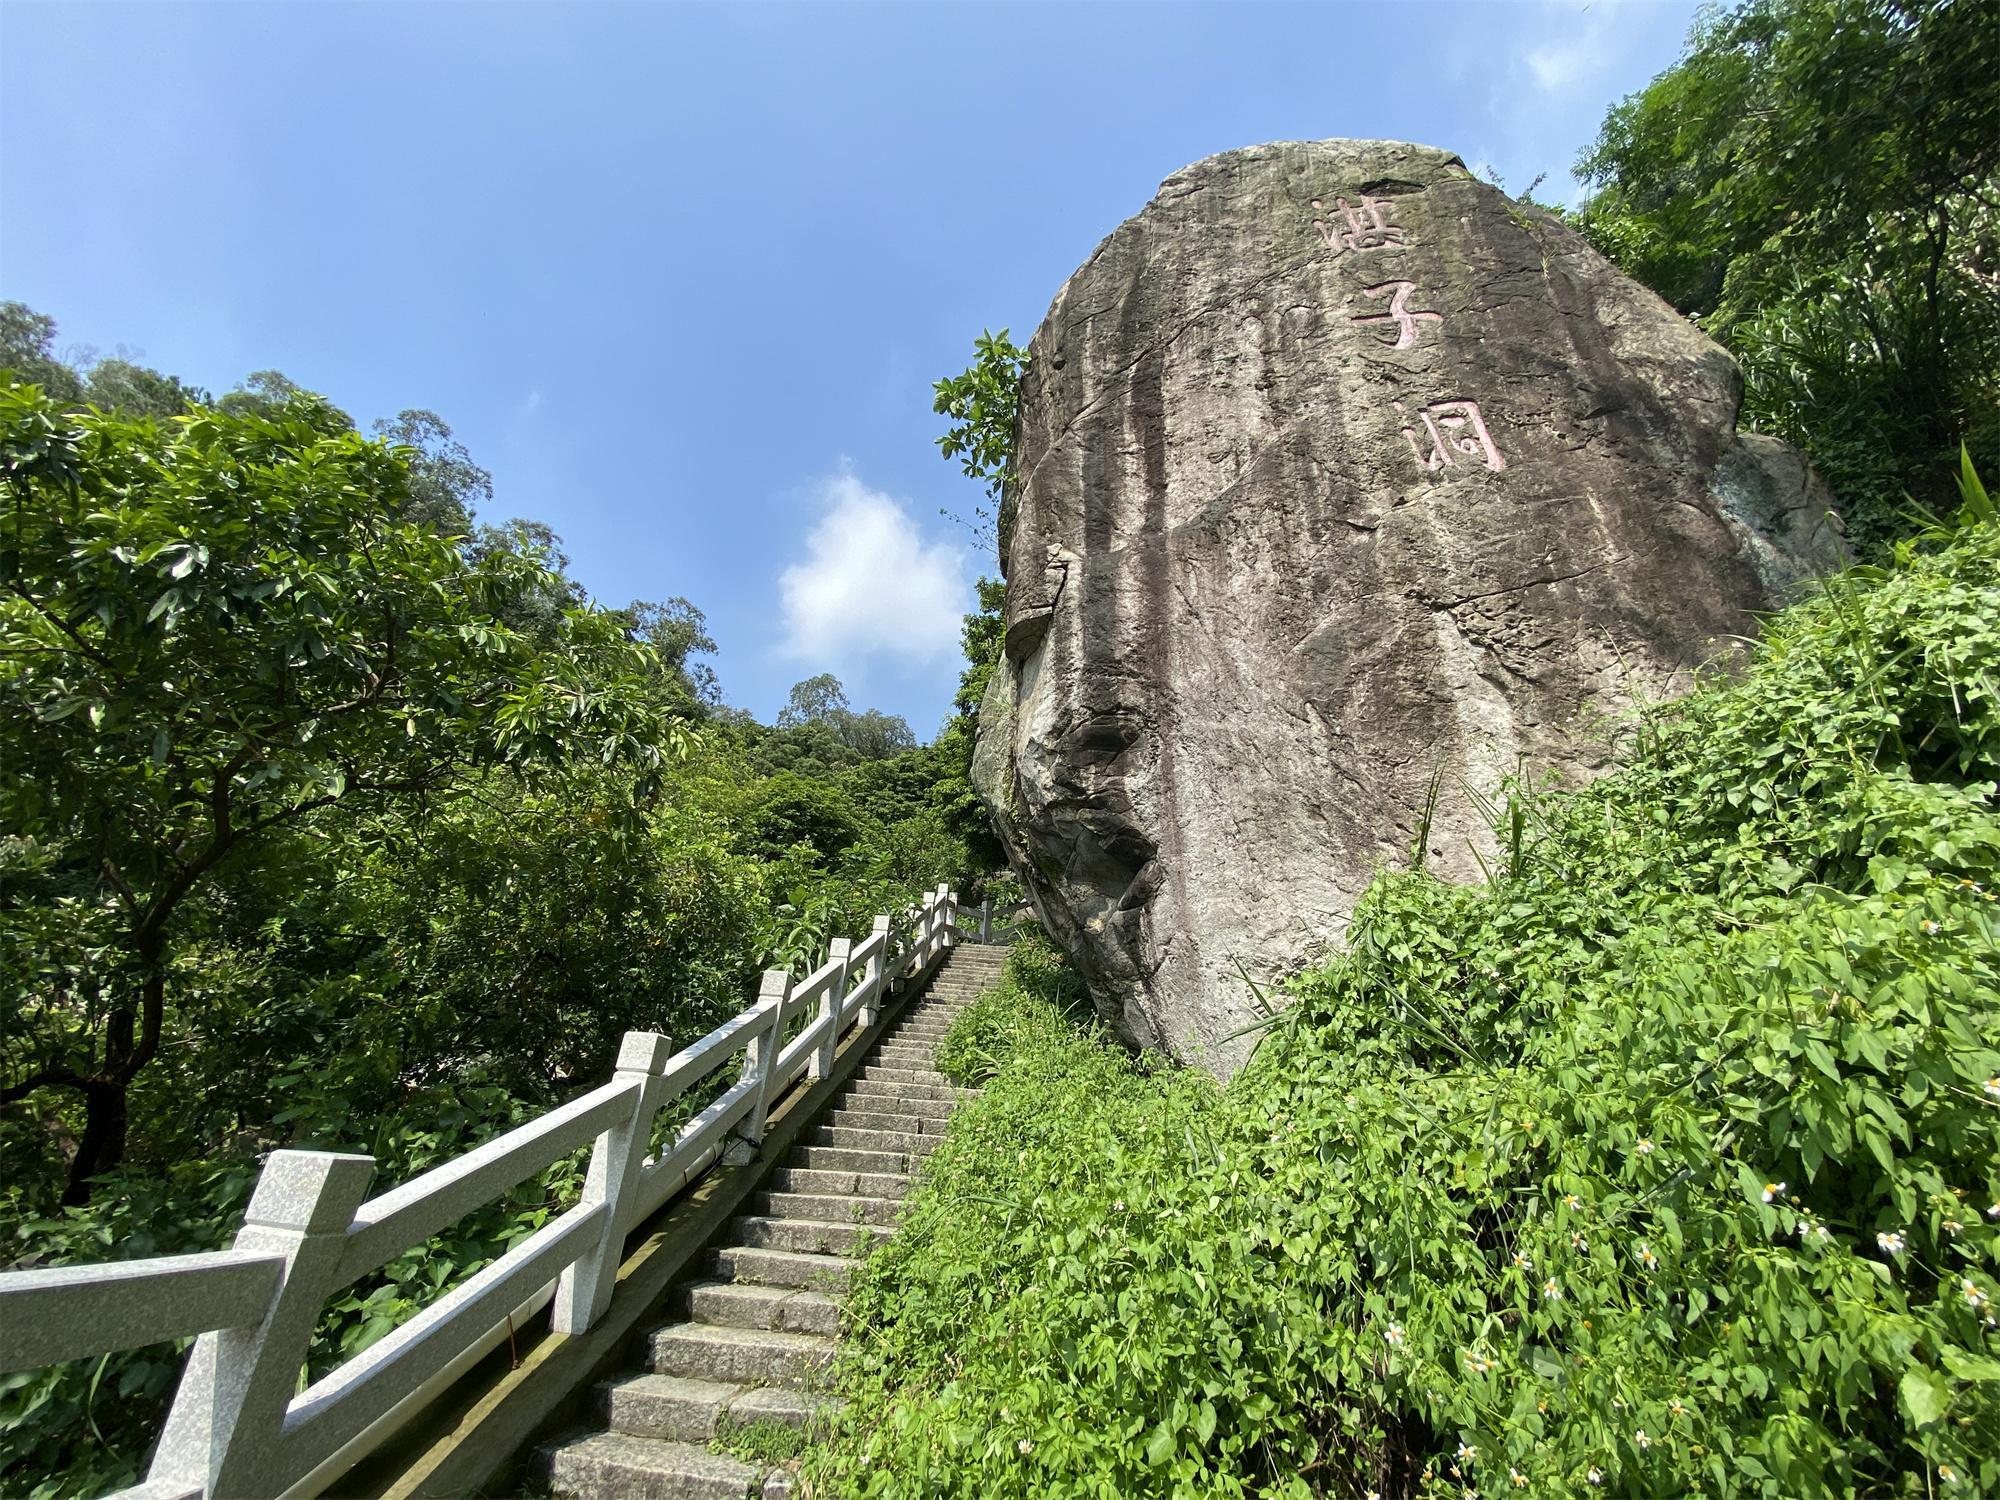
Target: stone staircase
x=751, y=1335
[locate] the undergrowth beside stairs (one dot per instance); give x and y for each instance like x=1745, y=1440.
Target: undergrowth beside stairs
x=1665, y=1163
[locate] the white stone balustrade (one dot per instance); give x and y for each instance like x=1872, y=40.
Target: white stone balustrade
x=236, y=1428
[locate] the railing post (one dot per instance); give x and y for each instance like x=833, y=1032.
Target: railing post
x=951, y=919
x=615, y=1167
x=877, y=976
x=830, y=1007
x=986, y=920
x=760, y=1058
x=222, y=1434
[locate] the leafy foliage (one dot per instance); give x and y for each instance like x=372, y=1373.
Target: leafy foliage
x=213, y=627
x=1665, y=1163
x=433, y=829
x=1818, y=181
x=982, y=402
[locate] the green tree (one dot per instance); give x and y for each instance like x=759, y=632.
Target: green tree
x=210, y=628
x=983, y=403
x=446, y=486
x=792, y=809
x=118, y=384
x=1815, y=181
x=27, y=352
x=964, y=814
x=815, y=700
x=822, y=702
x=677, y=632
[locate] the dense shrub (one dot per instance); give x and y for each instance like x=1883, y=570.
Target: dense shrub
x=1668, y=1162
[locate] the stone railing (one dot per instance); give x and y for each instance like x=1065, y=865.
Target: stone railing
x=992, y=924
x=240, y=1425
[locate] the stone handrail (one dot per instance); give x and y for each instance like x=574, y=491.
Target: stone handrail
x=237, y=1428
x=993, y=924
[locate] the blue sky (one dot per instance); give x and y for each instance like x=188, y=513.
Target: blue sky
x=681, y=276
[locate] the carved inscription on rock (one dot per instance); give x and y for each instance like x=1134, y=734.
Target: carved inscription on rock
x=1456, y=427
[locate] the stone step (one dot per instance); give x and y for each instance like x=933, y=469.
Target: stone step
x=879, y=1116
x=751, y=1266
x=828, y=1208
x=889, y=1089
x=814, y=1236
x=888, y=1185
x=734, y=1304
x=863, y=1100
x=841, y=1138
x=740, y=1356
x=682, y=1410
x=871, y=1073
x=620, y=1466
x=917, y=1065
x=839, y=1159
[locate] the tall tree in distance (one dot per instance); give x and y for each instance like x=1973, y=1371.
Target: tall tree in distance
x=446, y=486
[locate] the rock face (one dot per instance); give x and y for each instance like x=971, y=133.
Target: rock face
x=1339, y=471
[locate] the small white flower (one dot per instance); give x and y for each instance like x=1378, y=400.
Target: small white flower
x=1551, y=1291
x=1953, y=1228
x=1467, y=1452
x=1947, y=1473
x=1393, y=1335
x=1993, y=1087
x=1579, y=1244
x=1522, y=1263
x=1773, y=1190
x=1520, y=1479
x=1119, y=1206
x=1821, y=1232
x=1931, y=929
x=1646, y=1256
x=1645, y=1146
x=1969, y=1289
x=1571, y=1201
x=1676, y=1408
x=1024, y=1447
x=1596, y=1475
x=1891, y=1242
x=1641, y=1439
x=1993, y=1212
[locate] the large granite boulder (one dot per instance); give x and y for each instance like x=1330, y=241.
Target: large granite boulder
x=1341, y=474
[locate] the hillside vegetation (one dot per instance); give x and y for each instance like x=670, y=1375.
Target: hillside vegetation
x=1665, y=1162
x=330, y=818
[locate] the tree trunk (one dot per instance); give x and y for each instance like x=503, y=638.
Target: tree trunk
x=103, y=1143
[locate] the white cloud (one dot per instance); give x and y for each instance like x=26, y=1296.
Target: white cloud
x=871, y=585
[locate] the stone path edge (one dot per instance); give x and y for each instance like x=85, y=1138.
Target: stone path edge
x=477, y=1439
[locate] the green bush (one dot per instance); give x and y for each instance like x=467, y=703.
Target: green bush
x=1666, y=1163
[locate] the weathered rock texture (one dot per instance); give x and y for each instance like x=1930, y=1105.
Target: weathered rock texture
x=1337, y=470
